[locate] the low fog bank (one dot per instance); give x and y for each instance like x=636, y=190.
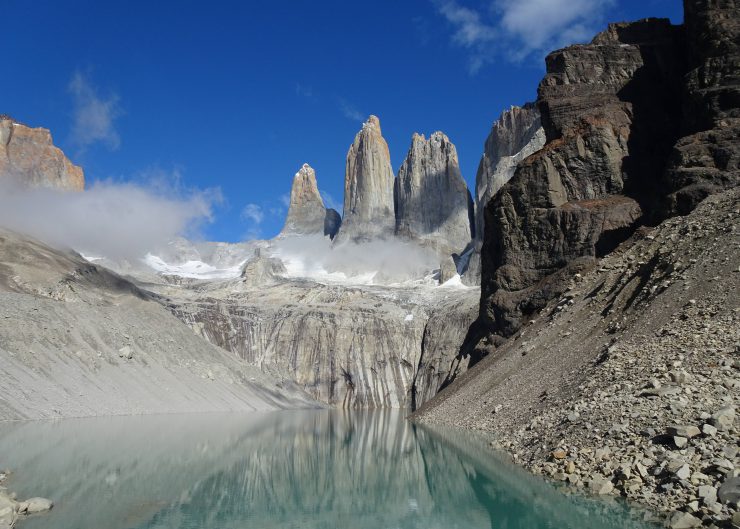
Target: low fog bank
x=114, y=220
x=380, y=261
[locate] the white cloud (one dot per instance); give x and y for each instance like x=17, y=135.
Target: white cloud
x=350, y=112
x=113, y=220
x=94, y=115
x=522, y=29
x=285, y=199
x=379, y=261
x=253, y=213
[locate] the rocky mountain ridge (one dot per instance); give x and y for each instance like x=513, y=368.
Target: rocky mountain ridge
x=609, y=113
x=606, y=345
x=29, y=158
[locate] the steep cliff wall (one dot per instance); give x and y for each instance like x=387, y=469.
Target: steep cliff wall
x=433, y=205
x=609, y=113
x=306, y=212
x=368, y=187
x=707, y=158
x=352, y=347
x=29, y=158
x=516, y=134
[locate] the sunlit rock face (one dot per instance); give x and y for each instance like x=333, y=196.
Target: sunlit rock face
x=368, y=187
x=347, y=346
x=433, y=205
x=306, y=212
x=29, y=158
x=516, y=134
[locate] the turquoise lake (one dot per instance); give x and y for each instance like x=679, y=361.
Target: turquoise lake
x=289, y=469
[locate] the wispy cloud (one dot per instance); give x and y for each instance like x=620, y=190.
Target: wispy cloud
x=303, y=90
x=93, y=116
x=118, y=220
x=517, y=30
x=331, y=202
x=349, y=111
x=285, y=199
x=253, y=213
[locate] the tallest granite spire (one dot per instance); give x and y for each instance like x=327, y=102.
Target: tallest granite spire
x=368, y=186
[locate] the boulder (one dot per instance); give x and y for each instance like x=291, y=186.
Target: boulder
x=35, y=505
x=729, y=491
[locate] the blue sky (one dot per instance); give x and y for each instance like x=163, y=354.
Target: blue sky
x=233, y=97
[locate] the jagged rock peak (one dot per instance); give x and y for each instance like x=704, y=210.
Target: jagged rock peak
x=368, y=186
x=306, y=213
x=516, y=134
x=433, y=205
x=28, y=157
x=372, y=122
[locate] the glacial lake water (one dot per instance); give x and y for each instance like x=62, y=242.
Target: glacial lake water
x=291, y=469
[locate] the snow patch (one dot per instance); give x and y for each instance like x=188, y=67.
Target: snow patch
x=192, y=269
x=454, y=282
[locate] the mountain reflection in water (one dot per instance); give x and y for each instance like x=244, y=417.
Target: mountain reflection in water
x=297, y=469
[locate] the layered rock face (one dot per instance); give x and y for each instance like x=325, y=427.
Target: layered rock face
x=707, y=158
x=609, y=113
x=351, y=347
x=306, y=213
x=516, y=134
x=433, y=204
x=29, y=158
x=368, y=187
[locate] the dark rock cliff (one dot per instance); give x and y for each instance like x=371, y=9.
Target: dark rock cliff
x=613, y=112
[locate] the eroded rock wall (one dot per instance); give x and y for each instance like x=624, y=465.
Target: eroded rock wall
x=433, y=204
x=351, y=347
x=609, y=111
x=29, y=158
x=368, y=187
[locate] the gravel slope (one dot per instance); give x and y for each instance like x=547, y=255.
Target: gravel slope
x=629, y=383
x=77, y=340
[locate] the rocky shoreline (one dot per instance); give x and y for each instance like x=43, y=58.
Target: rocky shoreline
x=12, y=510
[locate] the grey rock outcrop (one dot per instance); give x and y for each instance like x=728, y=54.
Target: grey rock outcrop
x=516, y=134
x=262, y=269
x=29, y=158
x=433, y=205
x=608, y=110
x=368, y=187
x=306, y=212
x=347, y=346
